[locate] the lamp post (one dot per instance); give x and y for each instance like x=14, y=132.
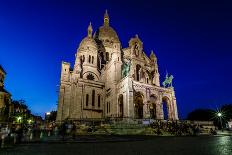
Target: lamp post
x=219, y=114
x=19, y=119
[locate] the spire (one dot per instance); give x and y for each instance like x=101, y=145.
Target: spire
x=106, y=19
x=152, y=55
x=90, y=30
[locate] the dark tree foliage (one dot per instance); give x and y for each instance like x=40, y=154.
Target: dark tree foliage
x=52, y=116
x=226, y=111
x=202, y=115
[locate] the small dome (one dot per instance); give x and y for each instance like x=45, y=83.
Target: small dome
x=106, y=33
x=88, y=42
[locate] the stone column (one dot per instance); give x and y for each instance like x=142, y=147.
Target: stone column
x=175, y=110
x=159, y=105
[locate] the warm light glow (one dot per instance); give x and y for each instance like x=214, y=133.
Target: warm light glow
x=19, y=119
x=29, y=121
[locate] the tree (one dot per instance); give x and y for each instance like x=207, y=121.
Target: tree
x=226, y=111
x=52, y=116
x=202, y=115
x=20, y=110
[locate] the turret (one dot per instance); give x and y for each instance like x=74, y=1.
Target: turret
x=153, y=57
x=87, y=59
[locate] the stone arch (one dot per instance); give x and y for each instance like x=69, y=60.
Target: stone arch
x=153, y=106
x=138, y=105
x=166, y=107
x=120, y=105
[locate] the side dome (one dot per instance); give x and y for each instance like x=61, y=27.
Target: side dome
x=88, y=42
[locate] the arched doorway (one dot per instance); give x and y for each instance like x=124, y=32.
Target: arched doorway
x=120, y=102
x=138, y=104
x=166, y=106
x=153, y=100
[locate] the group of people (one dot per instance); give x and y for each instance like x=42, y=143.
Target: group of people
x=17, y=133
x=178, y=128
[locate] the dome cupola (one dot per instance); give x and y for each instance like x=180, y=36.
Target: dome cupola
x=88, y=42
x=105, y=33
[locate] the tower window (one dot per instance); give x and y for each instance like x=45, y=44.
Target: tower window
x=147, y=80
x=87, y=100
x=92, y=59
x=93, y=98
x=89, y=58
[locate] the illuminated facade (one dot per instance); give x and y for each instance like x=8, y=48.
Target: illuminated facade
x=110, y=81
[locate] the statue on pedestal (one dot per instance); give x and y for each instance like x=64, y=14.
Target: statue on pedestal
x=168, y=81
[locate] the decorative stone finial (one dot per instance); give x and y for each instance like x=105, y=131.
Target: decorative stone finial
x=90, y=30
x=106, y=19
x=152, y=55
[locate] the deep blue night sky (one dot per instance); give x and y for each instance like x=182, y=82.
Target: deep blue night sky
x=192, y=40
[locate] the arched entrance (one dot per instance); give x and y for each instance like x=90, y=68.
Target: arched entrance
x=120, y=103
x=138, y=104
x=153, y=100
x=166, y=108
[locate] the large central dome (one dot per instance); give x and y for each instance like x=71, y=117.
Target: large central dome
x=106, y=33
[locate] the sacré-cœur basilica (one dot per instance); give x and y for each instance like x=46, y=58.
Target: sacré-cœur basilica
x=108, y=81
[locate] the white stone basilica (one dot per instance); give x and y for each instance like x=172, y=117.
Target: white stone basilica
x=110, y=81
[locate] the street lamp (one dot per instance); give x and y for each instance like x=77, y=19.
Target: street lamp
x=19, y=119
x=219, y=114
x=29, y=121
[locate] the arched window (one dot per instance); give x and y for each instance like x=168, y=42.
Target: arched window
x=107, y=56
x=93, y=98
x=92, y=59
x=98, y=62
x=81, y=58
x=99, y=101
x=138, y=67
x=147, y=80
x=107, y=108
x=87, y=100
x=89, y=58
